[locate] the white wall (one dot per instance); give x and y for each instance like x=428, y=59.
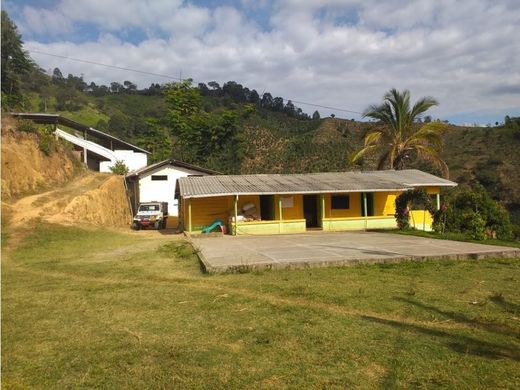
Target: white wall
x=133, y=160
x=163, y=191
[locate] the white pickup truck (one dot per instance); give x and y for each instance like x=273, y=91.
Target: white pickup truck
x=151, y=214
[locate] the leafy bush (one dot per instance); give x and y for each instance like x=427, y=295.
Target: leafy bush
x=467, y=205
x=119, y=168
x=477, y=226
x=405, y=202
x=26, y=125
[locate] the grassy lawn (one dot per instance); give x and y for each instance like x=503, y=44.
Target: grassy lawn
x=452, y=236
x=96, y=308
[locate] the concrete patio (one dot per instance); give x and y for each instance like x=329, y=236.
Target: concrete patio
x=319, y=249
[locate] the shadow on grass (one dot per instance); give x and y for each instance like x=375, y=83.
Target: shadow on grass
x=460, y=317
x=510, y=307
x=459, y=343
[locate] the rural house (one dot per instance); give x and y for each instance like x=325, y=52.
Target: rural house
x=157, y=182
x=295, y=203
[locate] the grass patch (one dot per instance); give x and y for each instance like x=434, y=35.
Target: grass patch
x=97, y=308
x=452, y=236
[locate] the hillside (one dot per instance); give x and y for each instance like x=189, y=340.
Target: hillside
x=52, y=186
x=230, y=128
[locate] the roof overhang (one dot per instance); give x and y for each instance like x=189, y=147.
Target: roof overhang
x=295, y=192
x=44, y=118
x=176, y=163
x=312, y=183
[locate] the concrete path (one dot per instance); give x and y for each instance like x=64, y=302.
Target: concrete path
x=243, y=253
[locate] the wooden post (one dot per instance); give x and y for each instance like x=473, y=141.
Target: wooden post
x=85, y=149
x=236, y=215
x=322, y=198
x=438, y=201
x=189, y=216
x=365, y=209
x=280, y=213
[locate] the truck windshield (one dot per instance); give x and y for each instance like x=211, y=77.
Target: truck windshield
x=149, y=207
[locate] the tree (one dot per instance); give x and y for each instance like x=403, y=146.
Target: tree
x=316, y=115
x=119, y=168
x=57, y=76
x=277, y=104
x=129, y=86
x=267, y=101
x=289, y=108
x=397, y=138
x=116, y=87
x=15, y=61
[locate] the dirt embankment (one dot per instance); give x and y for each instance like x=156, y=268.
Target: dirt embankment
x=62, y=191
x=26, y=169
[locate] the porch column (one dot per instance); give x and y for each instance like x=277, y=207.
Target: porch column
x=189, y=216
x=365, y=209
x=236, y=215
x=438, y=196
x=280, y=213
x=85, y=149
x=322, y=198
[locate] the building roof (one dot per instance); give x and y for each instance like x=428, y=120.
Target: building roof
x=143, y=171
x=60, y=120
x=310, y=183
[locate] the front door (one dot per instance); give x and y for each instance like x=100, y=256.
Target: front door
x=370, y=204
x=267, y=207
x=310, y=210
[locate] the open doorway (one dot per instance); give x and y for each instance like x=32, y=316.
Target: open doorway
x=310, y=211
x=267, y=207
x=370, y=205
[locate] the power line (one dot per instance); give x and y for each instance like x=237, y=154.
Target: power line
x=106, y=65
x=174, y=78
x=327, y=107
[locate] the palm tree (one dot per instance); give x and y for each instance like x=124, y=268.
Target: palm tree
x=400, y=137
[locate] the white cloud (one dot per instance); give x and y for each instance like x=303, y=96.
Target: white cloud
x=334, y=53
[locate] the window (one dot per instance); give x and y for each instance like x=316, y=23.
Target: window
x=340, y=202
x=149, y=207
x=159, y=177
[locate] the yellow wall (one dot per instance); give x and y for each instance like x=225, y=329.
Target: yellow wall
x=295, y=212
x=432, y=190
x=353, y=211
x=206, y=210
x=384, y=203
x=421, y=220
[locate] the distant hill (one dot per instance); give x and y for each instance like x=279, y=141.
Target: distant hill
x=269, y=134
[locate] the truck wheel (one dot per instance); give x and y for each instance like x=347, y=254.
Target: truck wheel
x=136, y=225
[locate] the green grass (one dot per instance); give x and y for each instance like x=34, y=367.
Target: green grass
x=86, y=308
x=86, y=115
x=454, y=237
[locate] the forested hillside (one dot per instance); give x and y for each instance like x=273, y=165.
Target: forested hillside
x=234, y=129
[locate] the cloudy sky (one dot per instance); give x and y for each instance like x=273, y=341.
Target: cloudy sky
x=339, y=53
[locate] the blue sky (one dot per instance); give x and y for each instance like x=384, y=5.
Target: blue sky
x=337, y=53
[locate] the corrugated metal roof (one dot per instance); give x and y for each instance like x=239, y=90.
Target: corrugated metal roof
x=45, y=118
x=330, y=182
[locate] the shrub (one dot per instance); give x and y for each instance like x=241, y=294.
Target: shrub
x=467, y=201
x=119, y=168
x=405, y=201
x=477, y=226
x=26, y=125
